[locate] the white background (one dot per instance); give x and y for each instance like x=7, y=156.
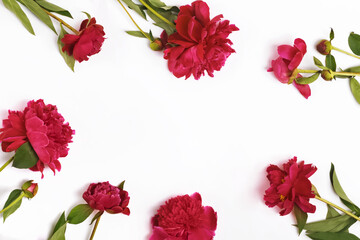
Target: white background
x=165, y=136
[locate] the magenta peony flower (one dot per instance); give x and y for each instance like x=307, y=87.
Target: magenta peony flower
x=285, y=65
x=44, y=128
x=289, y=186
x=106, y=197
x=200, y=43
x=87, y=43
x=184, y=218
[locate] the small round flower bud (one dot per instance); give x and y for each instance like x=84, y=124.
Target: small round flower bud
x=30, y=189
x=156, y=45
x=327, y=75
x=324, y=47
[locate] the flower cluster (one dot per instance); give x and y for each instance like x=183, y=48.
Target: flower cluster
x=286, y=70
x=193, y=43
x=184, y=218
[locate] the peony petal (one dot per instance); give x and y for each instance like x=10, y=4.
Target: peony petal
x=287, y=52
x=202, y=12
x=210, y=218
x=281, y=71
x=304, y=89
x=295, y=62
x=35, y=124
x=194, y=30
x=159, y=234
x=301, y=45
x=200, y=234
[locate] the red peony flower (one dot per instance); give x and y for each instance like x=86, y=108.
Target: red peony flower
x=200, y=43
x=184, y=218
x=285, y=65
x=87, y=43
x=289, y=186
x=44, y=128
x=106, y=197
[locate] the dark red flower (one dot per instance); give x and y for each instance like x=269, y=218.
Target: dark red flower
x=44, y=128
x=106, y=197
x=289, y=186
x=87, y=43
x=199, y=43
x=285, y=65
x=184, y=218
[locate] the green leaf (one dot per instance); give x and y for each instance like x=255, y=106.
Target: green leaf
x=353, y=69
x=334, y=224
x=97, y=216
x=25, y=156
x=60, y=223
x=354, y=43
x=121, y=185
x=39, y=12
x=53, y=8
x=14, y=7
x=308, y=80
x=330, y=62
x=169, y=30
x=137, y=34
x=331, y=212
x=301, y=218
x=88, y=16
x=160, y=4
x=69, y=60
x=332, y=35
x=319, y=64
x=79, y=213
x=137, y=8
x=314, y=189
x=59, y=234
x=12, y=197
x=332, y=236
x=339, y=190
x=355, y=89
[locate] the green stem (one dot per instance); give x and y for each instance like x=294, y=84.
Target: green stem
x=342, y=51
x=63, y=22
x=346, y=74
x=337, y=207
x=146, y=35
x=306, y=71
x=7, y=163
x=13, y=202
x=95, y=227
x=157, y=14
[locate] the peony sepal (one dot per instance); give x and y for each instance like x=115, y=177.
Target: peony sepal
x=30, y=189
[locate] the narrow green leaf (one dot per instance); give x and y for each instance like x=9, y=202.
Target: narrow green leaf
x=69, y=60
x=301, y=218
x=332, y=236
x=79, y=213
x=317, y=62
x=353, y=69
x=137, y=34
x=159, y=4
x=334, y=224
x=330, y=62
x=88, y=16
x=308, y=80
x=97, y=215
x=339, y=190
x=169, y=30
x=12, y=197
x=355, y=89
x=39, y=12
x=331, y=212
x=137, y=8
x=332, y=35
x=59, y=234
x=60, y=223
x=25, y=156
x=53, y=8
x=354, y=43
x=14, y=7
x=121, y=185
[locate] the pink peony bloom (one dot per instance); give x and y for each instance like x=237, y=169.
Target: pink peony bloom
x=289, y=59
x=184, y=218
x=200, y=43
x=289, y=186
x=106, y=197
x=44, y=128
x=87, y=43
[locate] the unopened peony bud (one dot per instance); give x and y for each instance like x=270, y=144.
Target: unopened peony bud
x=156, y=45
x=327, y=75
x=324, y=47
x=30, y=189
